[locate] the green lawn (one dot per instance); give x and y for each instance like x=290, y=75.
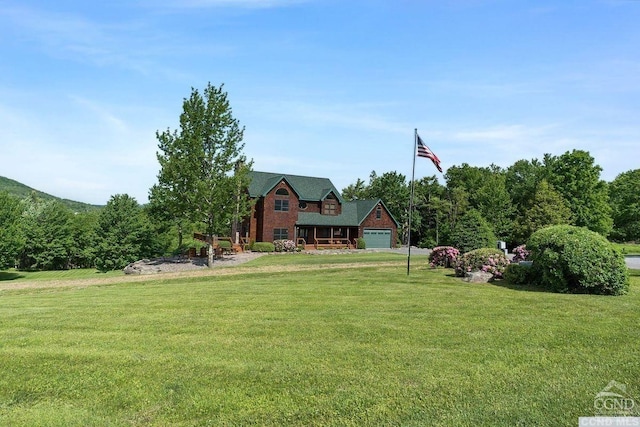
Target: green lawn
x=628, y=248
x=345, y=345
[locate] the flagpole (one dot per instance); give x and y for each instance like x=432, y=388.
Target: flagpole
x=413, y=174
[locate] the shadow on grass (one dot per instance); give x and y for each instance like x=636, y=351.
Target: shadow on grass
x=5, y=275
x=525, y=288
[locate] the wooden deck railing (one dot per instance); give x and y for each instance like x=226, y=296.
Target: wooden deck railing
x=334, y=243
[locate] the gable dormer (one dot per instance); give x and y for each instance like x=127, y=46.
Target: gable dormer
x=331, y=204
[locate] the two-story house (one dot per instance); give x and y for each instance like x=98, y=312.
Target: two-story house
x=301, y=207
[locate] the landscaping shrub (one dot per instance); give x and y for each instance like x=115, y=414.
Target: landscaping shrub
x=520, y=253
x=263, y=247
x=517, y=274
x=443, y=256
x=489, y=260
x=361, y=244
x=472, y=232
x=577, y=260
x=284, y=246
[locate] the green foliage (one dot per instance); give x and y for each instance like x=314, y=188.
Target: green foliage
x=574, y=259
x=522, y=180
x=431, y=212
x=357, y=191
x=624, y=198
x=124, y=232
x=577, y=178
x=517, y=274
x=472, y=232
x=85, y=239
x=489, y=260
x=547, y=207
x=203, y=175
x=361, y=243
x=263, y=247
x=10, y=231
x=47, y=227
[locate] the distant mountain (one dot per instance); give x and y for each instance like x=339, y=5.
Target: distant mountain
x=20, y=190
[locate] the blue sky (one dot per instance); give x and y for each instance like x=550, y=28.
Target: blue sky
x=324, y=87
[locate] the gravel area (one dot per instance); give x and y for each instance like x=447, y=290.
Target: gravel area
x=178, y=264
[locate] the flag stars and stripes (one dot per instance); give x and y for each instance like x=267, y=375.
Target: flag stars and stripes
x=424, y=151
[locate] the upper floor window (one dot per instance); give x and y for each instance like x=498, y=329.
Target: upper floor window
x=330, y=208
x=330, y=205
x=379, y=213
x=282, y=205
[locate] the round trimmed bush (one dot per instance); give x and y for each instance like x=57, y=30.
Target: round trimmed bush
x=361, y=243
x=490, y=260
x=263, y=247
x=443, y=256
x=517, y=274
x=576, y=260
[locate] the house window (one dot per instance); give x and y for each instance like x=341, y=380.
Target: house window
x=379, y=213
x=280, y=234
x=282, y=205
x=330, y=208
x=282, y=201
x=302, y=205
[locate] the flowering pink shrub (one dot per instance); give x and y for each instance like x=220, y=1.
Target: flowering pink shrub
x=489, y=260
x=443, y=256
x=285, y=245
x=520, y=253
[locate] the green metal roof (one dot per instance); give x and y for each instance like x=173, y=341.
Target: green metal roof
x=315, y=189
x=307, y=188
x=353, y=213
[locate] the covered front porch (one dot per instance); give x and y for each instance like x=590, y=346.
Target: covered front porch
x=327, y=237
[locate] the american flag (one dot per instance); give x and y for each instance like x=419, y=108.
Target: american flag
x=424, y=151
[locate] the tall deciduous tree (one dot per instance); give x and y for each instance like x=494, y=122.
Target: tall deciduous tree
x=624, y=194
x=10, y=233
x=48, y=235
x=203, y=173
x=124, y=234
x=577, y=178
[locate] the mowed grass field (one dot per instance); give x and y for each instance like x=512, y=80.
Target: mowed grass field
x=344, y=340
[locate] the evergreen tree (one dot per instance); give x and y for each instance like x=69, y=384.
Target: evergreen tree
x=547, y=208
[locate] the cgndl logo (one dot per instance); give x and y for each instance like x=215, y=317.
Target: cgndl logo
x=614, y=400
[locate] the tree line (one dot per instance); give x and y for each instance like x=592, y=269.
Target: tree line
x=202, y=186
x=509, y=204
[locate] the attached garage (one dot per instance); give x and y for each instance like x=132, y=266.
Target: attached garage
x=377, y=238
